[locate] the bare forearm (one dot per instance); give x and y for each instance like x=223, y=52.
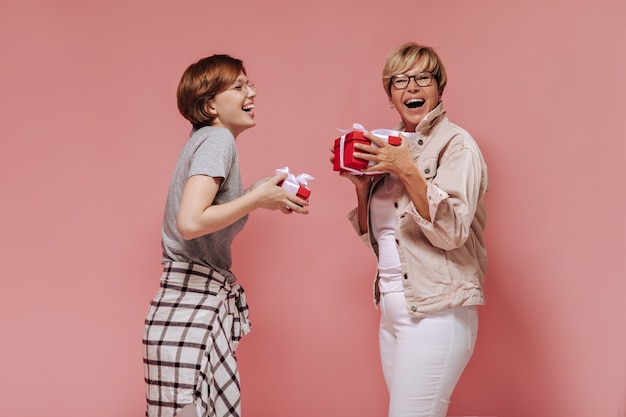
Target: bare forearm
x=215, y=217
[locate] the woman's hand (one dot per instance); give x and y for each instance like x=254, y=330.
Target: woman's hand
x=271, y=196
x=387, y=158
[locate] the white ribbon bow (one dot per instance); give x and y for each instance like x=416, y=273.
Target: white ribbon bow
x=381, y=133
x=292, y=183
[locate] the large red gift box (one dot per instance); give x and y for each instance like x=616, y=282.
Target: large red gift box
x=345, y=159
x=344, y=149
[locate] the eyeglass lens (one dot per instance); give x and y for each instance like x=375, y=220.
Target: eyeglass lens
x=401, y=81
x=246, y=87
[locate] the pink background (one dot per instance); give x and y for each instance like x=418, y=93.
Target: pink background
x=90, y=134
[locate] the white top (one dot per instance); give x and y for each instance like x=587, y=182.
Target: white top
x=383, y=224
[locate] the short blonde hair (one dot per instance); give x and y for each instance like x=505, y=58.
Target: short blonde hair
x=201, y=82
x=406, y=56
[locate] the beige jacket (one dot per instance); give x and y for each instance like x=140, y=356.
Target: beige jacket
x=444, y=261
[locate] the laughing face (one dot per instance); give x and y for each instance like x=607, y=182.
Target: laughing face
x=234, y=107
x=412, y=101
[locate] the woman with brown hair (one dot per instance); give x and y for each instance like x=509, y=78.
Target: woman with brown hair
x=199, y=314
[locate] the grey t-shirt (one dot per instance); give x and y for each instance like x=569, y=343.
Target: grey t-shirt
x=209, y=151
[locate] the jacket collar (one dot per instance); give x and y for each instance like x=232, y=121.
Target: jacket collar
x=426, y=124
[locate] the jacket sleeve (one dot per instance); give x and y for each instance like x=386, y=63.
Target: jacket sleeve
x=354, y=220
x=453, y=195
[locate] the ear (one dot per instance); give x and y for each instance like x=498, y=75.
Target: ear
x=391, y=103
x=211, y=108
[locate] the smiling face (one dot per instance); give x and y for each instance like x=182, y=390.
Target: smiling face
x=414, y=79
x=413, y=102
x=233, y=108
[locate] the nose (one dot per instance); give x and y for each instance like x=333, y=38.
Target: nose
x=414, y=79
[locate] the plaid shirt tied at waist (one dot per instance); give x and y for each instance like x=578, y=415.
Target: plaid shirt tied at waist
x=213, y=283
x=192, y=329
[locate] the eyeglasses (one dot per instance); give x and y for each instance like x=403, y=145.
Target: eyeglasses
x=401, y=81
x=245, y=88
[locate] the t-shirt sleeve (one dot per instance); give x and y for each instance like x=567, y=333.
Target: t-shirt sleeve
x=214, y=155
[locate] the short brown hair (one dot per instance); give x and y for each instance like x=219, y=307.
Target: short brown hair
x=404, y=57
x=201, y=82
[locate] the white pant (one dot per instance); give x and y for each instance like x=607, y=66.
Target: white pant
x=423, y=358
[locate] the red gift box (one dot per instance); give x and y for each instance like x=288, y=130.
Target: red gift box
x=346, y=144
x=303, y=192
x=296, y=185
x=347, y=160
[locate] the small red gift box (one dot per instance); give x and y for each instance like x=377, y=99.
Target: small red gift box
x=302, y=191
x=296, y=185
x=344, y=149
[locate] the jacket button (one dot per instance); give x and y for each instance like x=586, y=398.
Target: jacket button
x=395, y=204
x=427, y=170
x=397, y=242
x=406, y=276
x=420, y=142
x=413, y=308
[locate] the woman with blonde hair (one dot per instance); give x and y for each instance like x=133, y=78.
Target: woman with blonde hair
x=424, y=220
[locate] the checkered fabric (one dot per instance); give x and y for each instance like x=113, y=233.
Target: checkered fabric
x=191, y=333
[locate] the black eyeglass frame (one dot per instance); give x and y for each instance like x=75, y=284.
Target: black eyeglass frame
x=414, y=77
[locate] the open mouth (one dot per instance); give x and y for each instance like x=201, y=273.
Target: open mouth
x=248, y=108
x=414, y=103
